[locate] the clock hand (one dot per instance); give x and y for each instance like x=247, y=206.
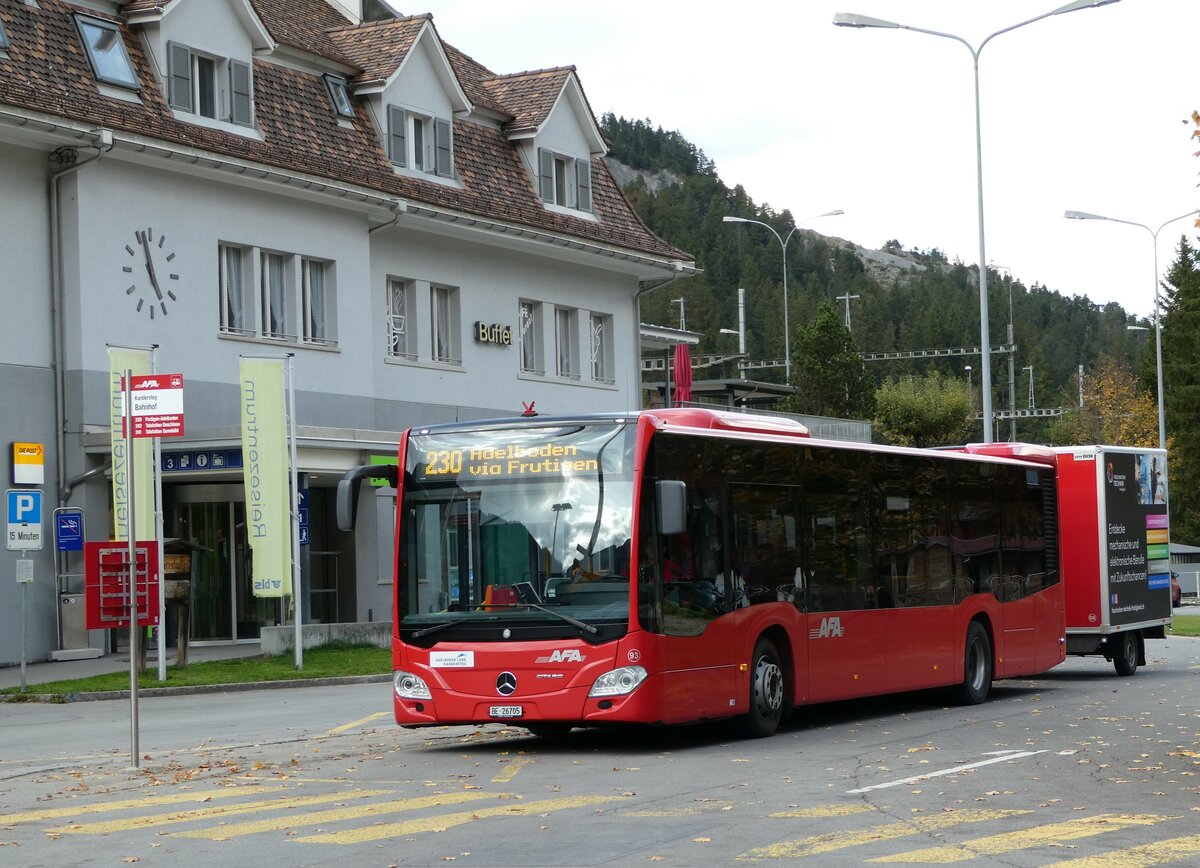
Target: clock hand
x=150, y=264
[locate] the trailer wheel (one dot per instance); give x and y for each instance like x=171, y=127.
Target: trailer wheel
x=1128, y=653
x=766, y=692
x=977, y=667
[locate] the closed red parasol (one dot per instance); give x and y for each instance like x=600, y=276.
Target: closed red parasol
x=683, y=375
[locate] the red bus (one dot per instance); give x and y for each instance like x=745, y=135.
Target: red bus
x=683, y=565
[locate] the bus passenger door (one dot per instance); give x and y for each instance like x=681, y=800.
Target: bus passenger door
x=699, y=650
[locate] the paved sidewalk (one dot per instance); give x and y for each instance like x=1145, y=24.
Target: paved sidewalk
x=59, y=670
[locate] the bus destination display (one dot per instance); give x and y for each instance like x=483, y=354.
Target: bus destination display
x=505, y=461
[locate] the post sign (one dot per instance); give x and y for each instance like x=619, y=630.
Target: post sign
x=24, y=520
x=29, y=464
x=157, y=405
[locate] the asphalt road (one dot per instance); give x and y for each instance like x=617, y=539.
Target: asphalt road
x=1078, y=767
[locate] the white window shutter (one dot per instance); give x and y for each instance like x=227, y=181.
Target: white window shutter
x=546, y=175
x=443, y=135
x=583, y=185
x=179, y=77
x=241, y=89
x=397, y=143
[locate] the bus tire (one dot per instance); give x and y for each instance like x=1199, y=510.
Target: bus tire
x=977, y=667
x=1125, y=661
x=766, y=692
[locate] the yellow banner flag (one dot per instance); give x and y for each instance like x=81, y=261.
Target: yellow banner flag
x=138, y=362
x=265, y=469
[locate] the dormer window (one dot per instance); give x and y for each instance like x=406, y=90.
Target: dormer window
x=339, y=95
x=208, y=86
x=564, y=181
x=105, y=51
x=420, y=142
x=3, y=37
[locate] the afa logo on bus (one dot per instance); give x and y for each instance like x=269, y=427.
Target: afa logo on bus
x=831, y=628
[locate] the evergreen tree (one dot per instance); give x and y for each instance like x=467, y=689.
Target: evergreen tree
x=828, y=371
x=1181, y=389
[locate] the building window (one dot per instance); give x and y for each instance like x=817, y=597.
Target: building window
x=274, y=312
x=420, y=142
x=444, y=325
x=602, y=348
x=565, y=341
x=564, y=180
x=105, y=51
x=401, y=341
x=339, y=95
x=4, y=38
x=318, y=313
x=211, y=87
x=230, y=261
x=530, y=322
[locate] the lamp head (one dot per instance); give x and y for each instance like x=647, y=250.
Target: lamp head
x=729, y=218
x=1081, y=4
x=851, y=19
x=1082, y=215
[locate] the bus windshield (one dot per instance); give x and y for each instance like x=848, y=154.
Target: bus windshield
x=528, y=527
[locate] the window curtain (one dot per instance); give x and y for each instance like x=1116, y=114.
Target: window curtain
x=316, y=301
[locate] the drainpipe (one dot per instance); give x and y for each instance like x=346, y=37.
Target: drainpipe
x=677, y=268
x=398, y=209
x=103, y=144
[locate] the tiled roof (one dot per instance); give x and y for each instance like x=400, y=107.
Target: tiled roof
x=303, y=24
x=378, y=49
x=471, y=74
x=47, y=71
x=529, y=96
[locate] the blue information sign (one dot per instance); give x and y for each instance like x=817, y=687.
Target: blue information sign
x=302, y=508
x=68, y=531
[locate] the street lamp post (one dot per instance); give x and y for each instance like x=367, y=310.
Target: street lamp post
x=847, y=19
x=1083, y=215
x=783, y=243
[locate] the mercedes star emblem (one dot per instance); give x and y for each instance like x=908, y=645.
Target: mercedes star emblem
x=506, y=684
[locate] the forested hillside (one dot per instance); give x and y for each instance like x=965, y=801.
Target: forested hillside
x=934, y=305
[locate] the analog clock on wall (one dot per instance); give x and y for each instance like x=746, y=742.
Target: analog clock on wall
x=149, y=271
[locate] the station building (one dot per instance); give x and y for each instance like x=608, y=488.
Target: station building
x=426, y=239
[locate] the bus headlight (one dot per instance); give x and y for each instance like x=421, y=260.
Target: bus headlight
x=618, y=682
x=409, y=686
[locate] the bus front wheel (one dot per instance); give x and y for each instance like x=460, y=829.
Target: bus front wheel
x=766, y=692
x=977, y=667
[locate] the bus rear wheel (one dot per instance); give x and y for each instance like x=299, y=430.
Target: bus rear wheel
x=1128, y=653
x=766, y=692
x=977, y=667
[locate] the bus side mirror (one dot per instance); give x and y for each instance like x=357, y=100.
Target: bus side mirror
x=672, y=506
x=347, y=490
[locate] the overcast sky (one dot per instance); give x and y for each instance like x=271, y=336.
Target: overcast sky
x=1087, y=111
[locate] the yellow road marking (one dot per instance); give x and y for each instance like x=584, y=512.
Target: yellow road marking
x=827, y=811
x=122, y=804
x=223, y=833
x=445, y=821
x=831, y=841
x=345, y=726
x=993, y=845
x=1158, y=853
x=144, y=822
x=510, y=771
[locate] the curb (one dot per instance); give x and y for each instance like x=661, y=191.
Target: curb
x=62, y=698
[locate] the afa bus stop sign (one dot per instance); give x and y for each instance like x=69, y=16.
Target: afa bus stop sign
x=24, y=520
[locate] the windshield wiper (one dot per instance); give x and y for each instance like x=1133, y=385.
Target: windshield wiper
x=574, y=622
x=425, y=631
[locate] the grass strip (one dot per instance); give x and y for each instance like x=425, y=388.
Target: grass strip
x=328, y=661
